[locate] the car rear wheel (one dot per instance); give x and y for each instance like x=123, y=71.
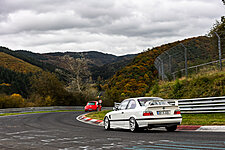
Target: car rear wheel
x=106, y=123
x=171, y=128
x=133, y=124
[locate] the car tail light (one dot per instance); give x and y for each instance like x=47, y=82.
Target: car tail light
x=147, y=113
x=176, y=112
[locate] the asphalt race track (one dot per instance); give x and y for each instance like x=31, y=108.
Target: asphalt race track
x=61, y=131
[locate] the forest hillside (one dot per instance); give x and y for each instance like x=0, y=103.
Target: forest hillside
x=137, y=78
x=17, y=65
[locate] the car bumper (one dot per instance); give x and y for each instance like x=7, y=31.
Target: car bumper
x=159, y=122
x=90, y=109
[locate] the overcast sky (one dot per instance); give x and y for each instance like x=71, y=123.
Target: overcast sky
x=111, y=26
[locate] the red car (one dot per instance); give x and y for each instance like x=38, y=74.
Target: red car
x=92, y=106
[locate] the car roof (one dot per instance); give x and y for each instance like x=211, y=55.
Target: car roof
x=92, y=101
x=136, y=98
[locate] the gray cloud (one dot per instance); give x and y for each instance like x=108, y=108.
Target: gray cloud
x=118, y=26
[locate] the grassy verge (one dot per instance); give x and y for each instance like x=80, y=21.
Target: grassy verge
x=97, y=115
x=35, y=112
x=204, y=119
x=211, y=84
x=188, y=119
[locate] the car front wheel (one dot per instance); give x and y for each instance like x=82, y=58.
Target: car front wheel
x=106, y=123
x=133, y=124
x=171, y=128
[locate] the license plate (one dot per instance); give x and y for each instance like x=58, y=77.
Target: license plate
x=89, y=109
x=164, y=112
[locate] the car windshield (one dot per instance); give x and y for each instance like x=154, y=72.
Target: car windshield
x=154, y=101
x=91, y=103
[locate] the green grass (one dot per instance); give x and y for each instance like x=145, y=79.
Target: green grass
x=97, y=115
x=35, y=112
x=203, y=119
x=188, y=119
x=211, y=84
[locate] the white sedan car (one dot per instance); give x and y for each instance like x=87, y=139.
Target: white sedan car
x=143, y=112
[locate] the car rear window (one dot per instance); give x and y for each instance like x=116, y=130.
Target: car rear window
x=154, y=101
x=91, y=103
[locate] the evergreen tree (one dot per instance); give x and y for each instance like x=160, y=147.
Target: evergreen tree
x=18, y=82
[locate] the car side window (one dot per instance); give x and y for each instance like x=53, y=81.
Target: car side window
x=131, y=105
x=123, y=105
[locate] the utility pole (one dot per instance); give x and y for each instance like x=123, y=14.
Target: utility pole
x=185, y=58
x=219, y=47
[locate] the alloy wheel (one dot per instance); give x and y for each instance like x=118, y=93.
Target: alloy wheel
x=106, y=123
x=132, y=124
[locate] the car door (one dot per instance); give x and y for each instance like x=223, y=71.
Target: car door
x=130, y=111
x=117, y=118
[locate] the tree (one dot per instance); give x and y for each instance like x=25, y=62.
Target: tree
x=79, y=73
x=218, y=27
x=47, y=85
x=19, y=82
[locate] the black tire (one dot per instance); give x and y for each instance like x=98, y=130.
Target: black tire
x=133, y=125
x=171, y=128
x=106, y=123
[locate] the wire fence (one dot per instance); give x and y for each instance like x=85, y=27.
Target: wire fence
x=191, y=56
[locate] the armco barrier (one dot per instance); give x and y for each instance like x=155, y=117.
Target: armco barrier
x=202, y=105
x=33, y=109
x=196, y=105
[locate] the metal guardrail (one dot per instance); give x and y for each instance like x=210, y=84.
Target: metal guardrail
x=202, y=105
x=193, y=106
x=199, y=105
x=33, y=109
x=52, y=108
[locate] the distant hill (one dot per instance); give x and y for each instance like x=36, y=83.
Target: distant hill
x=16, y=64
x=32, y=58
x=108, y=70
x=15, y=73
x=96, y=58
x=100, y=64
x=16, y=67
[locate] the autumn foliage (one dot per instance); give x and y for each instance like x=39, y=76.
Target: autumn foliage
x=13, y=101
x=17, y=65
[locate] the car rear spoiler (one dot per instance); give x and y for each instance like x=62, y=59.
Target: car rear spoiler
x=170, y=101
